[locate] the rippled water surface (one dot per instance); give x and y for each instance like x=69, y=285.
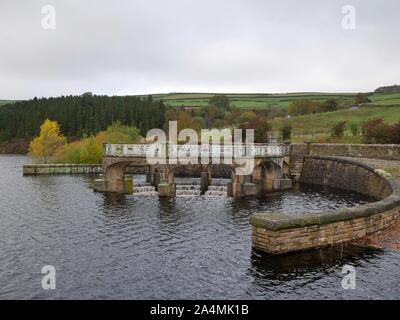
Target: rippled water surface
x=143, y=247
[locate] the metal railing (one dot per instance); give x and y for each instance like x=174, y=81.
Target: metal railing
x=212, y=150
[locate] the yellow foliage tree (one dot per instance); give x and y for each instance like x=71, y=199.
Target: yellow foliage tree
x=91, y=151
x=49, y=139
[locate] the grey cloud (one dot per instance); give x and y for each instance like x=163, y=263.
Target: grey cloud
x=134, y=47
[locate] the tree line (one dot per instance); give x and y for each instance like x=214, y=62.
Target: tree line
x=87, y=115
x=80, y=116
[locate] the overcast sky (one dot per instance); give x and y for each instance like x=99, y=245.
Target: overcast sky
x=139, y=47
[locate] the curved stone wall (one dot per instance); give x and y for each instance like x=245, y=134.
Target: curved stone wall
x=280, y=233
x=344, y=174
x=375, y=151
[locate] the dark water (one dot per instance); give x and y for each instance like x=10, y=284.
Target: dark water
x=142, y=247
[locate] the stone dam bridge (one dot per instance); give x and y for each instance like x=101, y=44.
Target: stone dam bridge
x=267, y=173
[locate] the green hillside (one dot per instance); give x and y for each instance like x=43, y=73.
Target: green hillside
x=2, y=102
x=323, y=122
x=249, y=100
x=385, y=99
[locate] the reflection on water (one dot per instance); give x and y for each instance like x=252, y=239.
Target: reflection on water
x=126, y=246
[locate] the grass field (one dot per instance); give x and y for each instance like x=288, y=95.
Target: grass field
x=385, y=99
x=318, y=125
x=259, y=100
x=2, y=102
x=249, y=100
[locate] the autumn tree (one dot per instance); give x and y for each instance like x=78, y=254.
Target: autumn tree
x=260, y=126
x=362, y=98
x=49, y=139
x=91, y=152
x=303, y=106
x=184, y=120
x=90, y=149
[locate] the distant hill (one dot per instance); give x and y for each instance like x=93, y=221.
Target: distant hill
x=6, y=102
x=388, y=89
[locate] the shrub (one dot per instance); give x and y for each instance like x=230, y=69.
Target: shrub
x=354, y=129
x=337, y=130
x=377, y=131
x=286, y=131
x=303, y=106
x=89, y=150
x=330, y=105
x=119, y=133
x=260, y=126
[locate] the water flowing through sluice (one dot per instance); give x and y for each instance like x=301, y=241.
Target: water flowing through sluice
x=144, y=189
x=186, y=187
x=217, y=188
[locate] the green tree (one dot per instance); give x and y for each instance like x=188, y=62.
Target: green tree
x=119, y=133
x=330, y=105
x=79, y=115
x=220, y=101
x=286, y=131
x=362, y=98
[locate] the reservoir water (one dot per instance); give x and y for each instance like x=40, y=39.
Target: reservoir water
x=189, y=247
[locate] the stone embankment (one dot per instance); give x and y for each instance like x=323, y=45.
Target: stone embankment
x=345, y=167
x=37, y=169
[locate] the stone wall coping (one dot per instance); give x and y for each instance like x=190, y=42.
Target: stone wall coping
x=347, y=144
x=360, y=144
x=59, y=165
x=64, y=165
x=280, y=221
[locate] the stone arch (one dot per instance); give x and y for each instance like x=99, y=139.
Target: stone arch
x=114, y=172
x=196, y=169
x=229, y=170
